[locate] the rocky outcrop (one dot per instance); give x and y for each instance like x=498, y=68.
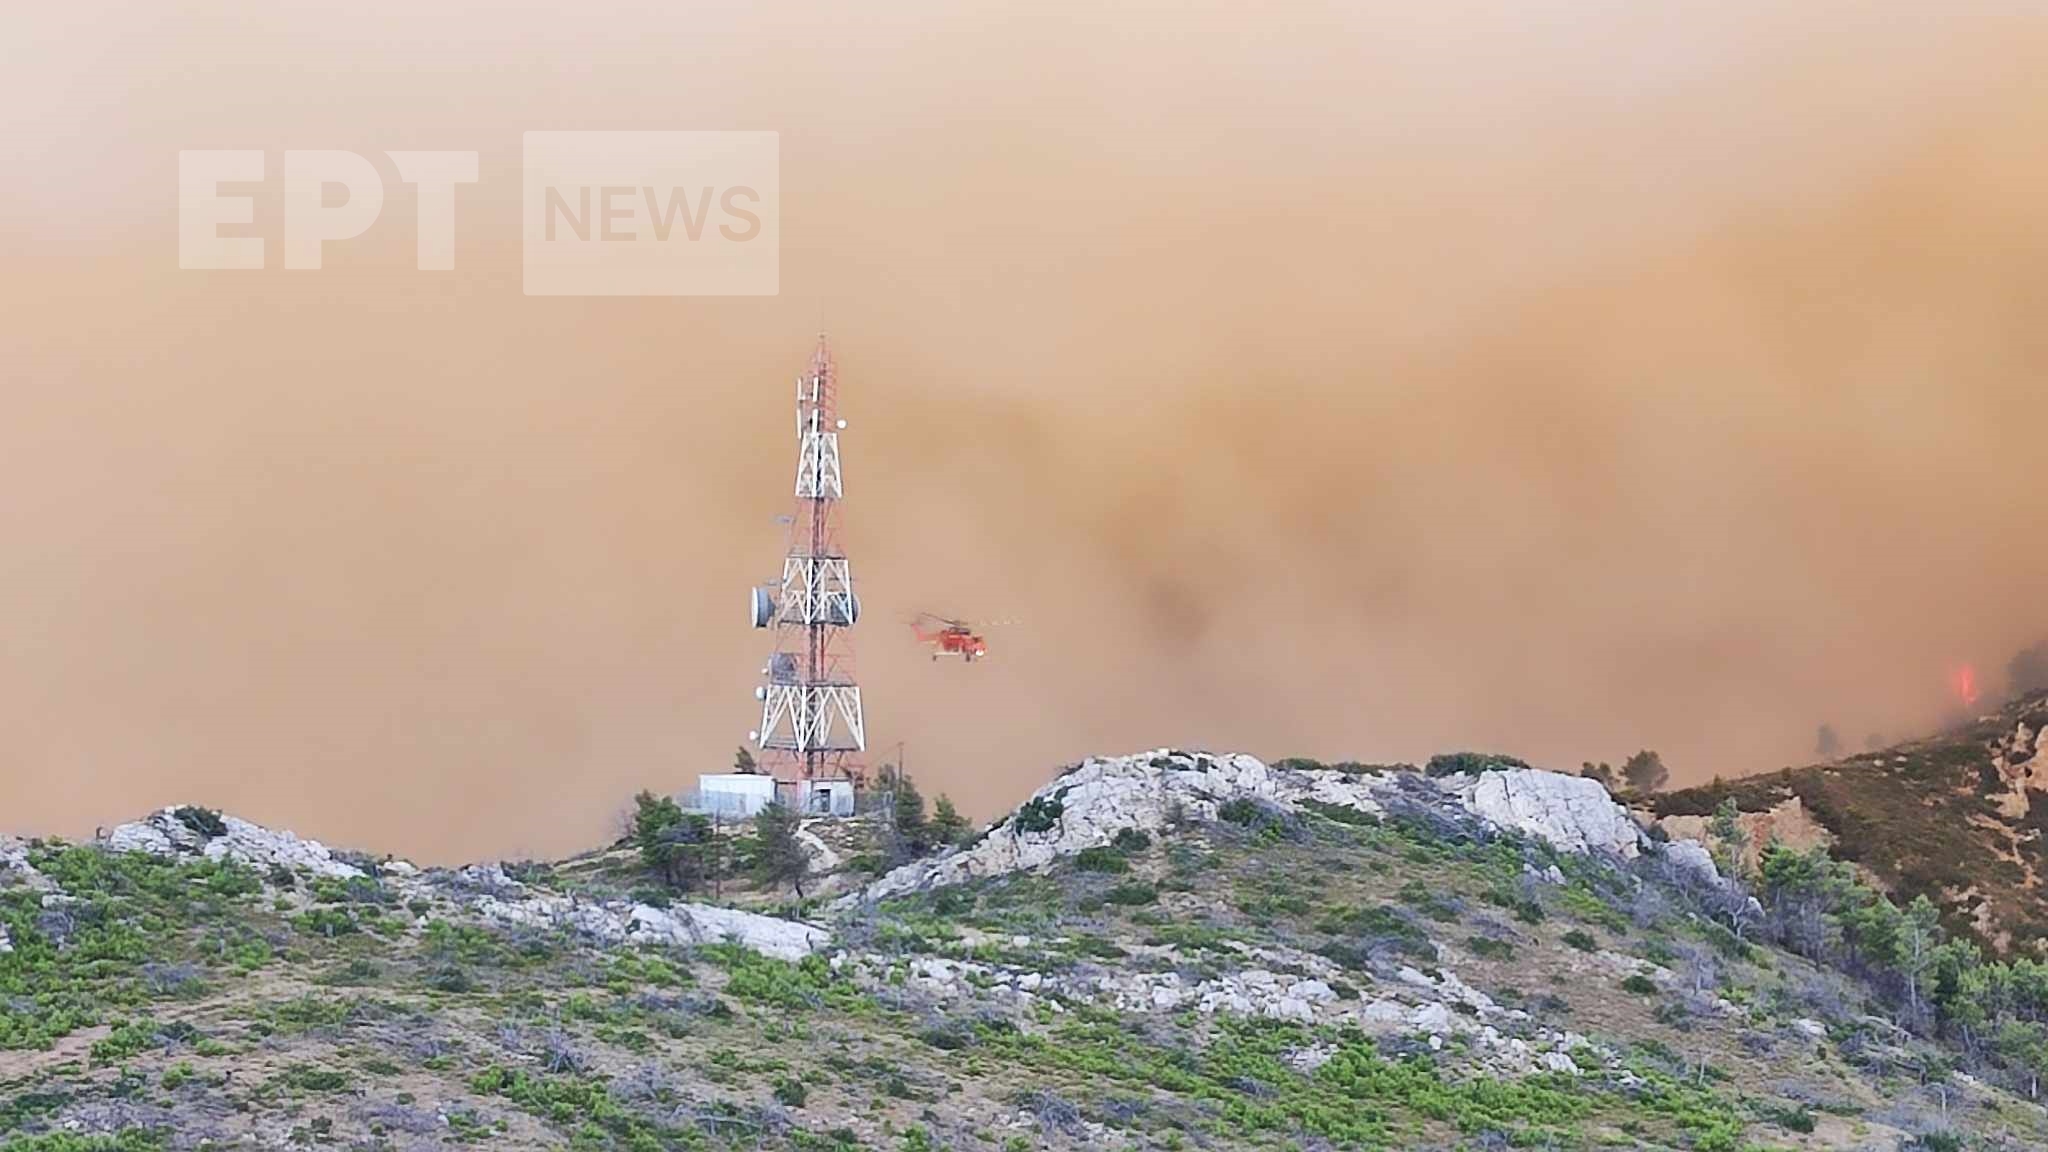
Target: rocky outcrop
x=485, y=889
x=165, y=834
x=15, y=868
x=1088, y=806
x=2020, y=759
x=676, y=925
x=709, y=924
x=1690, y=860
x=1571, y=812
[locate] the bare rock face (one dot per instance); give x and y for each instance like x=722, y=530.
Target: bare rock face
x=1089, y=805
x=164, y=834
x=1691, y=858
x=1571, y=812
x=617, y=922
x=709, y=924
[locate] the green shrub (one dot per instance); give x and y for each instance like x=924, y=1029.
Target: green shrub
x=1792, y=1118
x=308, y=1078
x=204, y=822
x=126, y=1040
x=131, y=1140
x=1640, y=984
x=1490, y=948
x=1242, y=811
x=1469, y=763
x=1580, y=939
x=1134, y=894
x=1100, y=859
x=1342, y=813
x=1040, y=814
x=790, y=1092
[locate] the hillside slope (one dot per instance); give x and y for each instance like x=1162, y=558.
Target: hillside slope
x=1165, y=951
x=1957, y=817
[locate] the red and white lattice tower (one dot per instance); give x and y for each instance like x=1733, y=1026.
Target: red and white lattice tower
x=812, y=727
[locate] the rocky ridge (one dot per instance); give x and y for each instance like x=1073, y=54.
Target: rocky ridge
x=1089, y=805
x=485, y=890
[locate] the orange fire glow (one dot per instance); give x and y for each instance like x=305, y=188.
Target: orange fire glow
x=1963, y=682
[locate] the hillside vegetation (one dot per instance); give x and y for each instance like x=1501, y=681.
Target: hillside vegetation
x=1170, y=951
x=1956, y=818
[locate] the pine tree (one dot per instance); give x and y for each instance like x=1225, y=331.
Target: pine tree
x=779, y=856
x=1731, y=842
x=1919, y=936
x=948, y=825
x=675, y=845
x=910, y=832
x=1645, y=771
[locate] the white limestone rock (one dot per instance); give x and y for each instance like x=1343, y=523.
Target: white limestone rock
x=1571, y=812
x=1145, y=792
x=1432, y=1019
x=707, y=924
x=163, y=834
x=1690, y=858
x=246, y=843
x=1106, y=795
x=679, y=925
x=141, y=837
x=818, y=855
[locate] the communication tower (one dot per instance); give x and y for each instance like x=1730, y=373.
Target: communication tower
x=812, y=728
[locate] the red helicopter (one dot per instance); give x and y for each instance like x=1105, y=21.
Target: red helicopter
x=949, y=637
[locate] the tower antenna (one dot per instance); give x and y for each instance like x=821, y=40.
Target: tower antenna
x=813, y=729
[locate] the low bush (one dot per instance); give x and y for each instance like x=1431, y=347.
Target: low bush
x=1100, y=859
x=1490, y=948
x=1039, y=814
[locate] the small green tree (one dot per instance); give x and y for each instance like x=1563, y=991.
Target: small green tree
x=1603, y=772
x=675, y=845
x=910, y=833
x=743, y=762
x=1645, y=772
x=2024, y=1045
x=1731, y=843
x=948, y=825
x=1919, y=936
x=779, y=856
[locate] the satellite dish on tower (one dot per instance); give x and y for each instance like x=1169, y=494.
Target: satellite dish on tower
x=762, y=608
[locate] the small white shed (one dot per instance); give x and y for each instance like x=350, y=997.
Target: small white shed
x=825, y=797
x=735, y=793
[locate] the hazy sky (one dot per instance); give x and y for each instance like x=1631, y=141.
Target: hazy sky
x=1356, y=380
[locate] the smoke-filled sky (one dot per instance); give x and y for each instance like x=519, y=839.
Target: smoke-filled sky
x=1351, y=380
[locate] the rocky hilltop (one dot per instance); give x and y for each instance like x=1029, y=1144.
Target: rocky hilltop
x=1166, y=950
